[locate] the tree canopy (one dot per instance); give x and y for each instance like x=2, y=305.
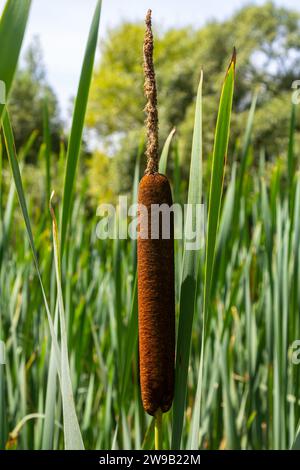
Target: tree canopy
x=267, y=39
x=30, y=93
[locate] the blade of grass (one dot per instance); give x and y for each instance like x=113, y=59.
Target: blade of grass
x=12, y=28
x=245, y=147
x=1, y=189
x=131, y=341
x=148, y=443
x=291, y=157
x=12, y=157
x=165, y=153
x=78, y=121
x=188, y=281
x=47, y=143
x=25, y=149
x=72, y=434
x=291, y=154
x=136, y=179
x=214, y=206
x=217, y=178
x=296, y=444
x=48, y=427
x=3, y=408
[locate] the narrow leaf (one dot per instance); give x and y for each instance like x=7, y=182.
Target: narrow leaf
x=78, y=121
x=188, y=280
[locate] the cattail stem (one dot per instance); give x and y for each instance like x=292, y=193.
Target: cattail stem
x=151, y=95
x=158, y=430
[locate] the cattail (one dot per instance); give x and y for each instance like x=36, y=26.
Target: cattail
x=156, y=296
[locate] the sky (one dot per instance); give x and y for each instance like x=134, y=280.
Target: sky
x=63, y=25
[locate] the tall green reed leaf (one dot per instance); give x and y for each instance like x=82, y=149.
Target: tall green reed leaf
x=78, y=121
x=12, y=28
x=291, y=152
x=214, y=207
x=188, y=280
x=72, y=434
x=296, y=444
x=47, y=144
x=245, y=149
x=50, y=401
x=3, y=407
x=12, y=157
x=165, y=152
x=217, y=178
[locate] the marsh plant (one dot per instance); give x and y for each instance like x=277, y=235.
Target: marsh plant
x=214, y=325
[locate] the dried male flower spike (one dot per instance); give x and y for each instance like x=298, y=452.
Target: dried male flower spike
x=156, y=292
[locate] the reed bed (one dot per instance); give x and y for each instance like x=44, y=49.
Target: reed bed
x=69, y=301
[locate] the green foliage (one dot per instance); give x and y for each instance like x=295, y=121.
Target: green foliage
x=12, y=29
x=267, y=39
x=80, y=105
x=246, y=282
x=188, y=281
x=28, y=95
x=101, y=179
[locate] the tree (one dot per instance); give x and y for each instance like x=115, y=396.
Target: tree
x=267, y=39
x=28, y=96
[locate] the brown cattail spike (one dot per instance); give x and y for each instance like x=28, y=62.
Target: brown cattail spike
x=156, y=296
x=151, y=106
x=156, y=292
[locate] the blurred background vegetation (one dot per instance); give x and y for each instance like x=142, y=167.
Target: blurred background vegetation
x=267, y=39
x=256, y=291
